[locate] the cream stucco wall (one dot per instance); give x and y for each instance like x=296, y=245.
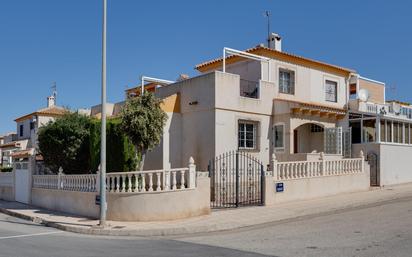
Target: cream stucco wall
x=7, y=193
x=394, y=161
x=153, y=206
x=149, y=206
x=303, y=189
x=78, y=203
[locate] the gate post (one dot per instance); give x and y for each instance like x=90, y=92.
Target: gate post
x=237, y=179
x=322, y=159
x=192, y=173
x=362, y=156
x=274, y=164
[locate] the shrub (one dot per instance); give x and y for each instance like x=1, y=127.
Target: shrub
x=6, y=169
x=120, y=152
x=65, y=143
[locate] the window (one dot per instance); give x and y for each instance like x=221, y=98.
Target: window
x=247, y=135
x=383, y=131
x=389, y=131
x=249, y=88
x=315, y=128
x=21, y=131
x=286, y=81
x=31, y=125
x=278, y=134
x=331, y=91
x=406, y=133
x=369, y=132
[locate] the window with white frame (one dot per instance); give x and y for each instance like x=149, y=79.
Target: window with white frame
x=278, y=136
x=286, y=81
x=247, y=134
x=331, y=91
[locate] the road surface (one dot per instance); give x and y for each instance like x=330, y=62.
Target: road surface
x=383, y=230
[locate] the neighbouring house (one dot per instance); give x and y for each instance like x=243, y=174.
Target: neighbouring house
x=383, y=130
x=8, y=145
x=24, y=143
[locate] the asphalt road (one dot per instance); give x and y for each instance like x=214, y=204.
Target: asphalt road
x=381, y=230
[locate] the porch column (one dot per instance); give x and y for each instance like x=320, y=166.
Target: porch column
x=378, y=129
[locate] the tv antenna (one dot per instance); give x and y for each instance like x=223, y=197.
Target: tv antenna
x=267, y=15
x=54, y=88
x=393, y=90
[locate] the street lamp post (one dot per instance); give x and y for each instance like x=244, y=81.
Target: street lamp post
x=103, y=205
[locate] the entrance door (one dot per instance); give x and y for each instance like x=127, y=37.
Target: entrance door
x=22, y=183
x=373, y=164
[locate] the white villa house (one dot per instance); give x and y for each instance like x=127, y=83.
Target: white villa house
x=23, y=144
x=265, y=101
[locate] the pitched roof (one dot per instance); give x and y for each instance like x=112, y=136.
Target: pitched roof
x=10, y=145
x=53, y=111
x=23, y=153
x=283, y=56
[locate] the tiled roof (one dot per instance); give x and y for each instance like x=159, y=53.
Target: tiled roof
x=11, y=144
x=52, y=111
x=268, y=52
x=22, y=153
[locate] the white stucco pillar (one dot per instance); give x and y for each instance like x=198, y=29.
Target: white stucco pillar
x=378, y=129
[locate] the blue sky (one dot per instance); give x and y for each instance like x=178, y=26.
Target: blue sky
x=60, y=40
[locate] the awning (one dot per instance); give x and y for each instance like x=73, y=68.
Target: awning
x=312, y=109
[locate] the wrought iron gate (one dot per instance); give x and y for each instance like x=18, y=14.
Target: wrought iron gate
x=236, y=179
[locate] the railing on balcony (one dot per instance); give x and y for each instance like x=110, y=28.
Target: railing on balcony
x=249, y=88
x=383, y=109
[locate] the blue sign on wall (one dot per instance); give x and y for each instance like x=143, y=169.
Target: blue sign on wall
x=97, y=200
x=280, y=187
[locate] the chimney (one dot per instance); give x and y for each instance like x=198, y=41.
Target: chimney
x=182, y=77
x=51, y=101
x=275, y=42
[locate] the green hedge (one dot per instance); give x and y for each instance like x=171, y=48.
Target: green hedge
x=120, y=153
x=6, y=169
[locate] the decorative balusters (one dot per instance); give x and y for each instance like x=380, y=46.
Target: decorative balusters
x=174, y=187
x=182, y=179
x=158, y=188
x=308, y=169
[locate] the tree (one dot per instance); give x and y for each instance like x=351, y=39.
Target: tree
x=120, y=154
x=142, y=119
x=65, y=143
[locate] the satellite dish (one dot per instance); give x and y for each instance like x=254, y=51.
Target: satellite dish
x=363, y=95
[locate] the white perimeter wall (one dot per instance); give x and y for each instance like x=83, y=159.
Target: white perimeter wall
x=394, y=161
x=308, y=188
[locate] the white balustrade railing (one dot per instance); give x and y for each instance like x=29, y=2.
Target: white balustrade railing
x=6, y=178
x=318, y=168
x=149, y=181
x=82, y=183
x=123, y=182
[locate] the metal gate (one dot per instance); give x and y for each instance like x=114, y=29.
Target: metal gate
x=236, y=179
x=372, y=159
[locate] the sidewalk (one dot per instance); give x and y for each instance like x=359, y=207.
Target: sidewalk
x=218, y=221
